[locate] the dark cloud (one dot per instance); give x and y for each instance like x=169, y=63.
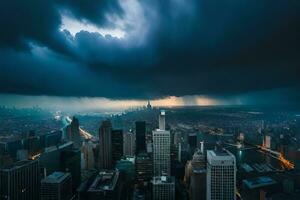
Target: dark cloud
x=172, y=47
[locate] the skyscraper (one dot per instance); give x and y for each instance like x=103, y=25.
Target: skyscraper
x=161, y=153
x=144, y=167
x=117, y=145
x=140, y=132
x=105, y=145
x=197, y=176
x=73, y=133
x=70, y=161
x=57, y=185
x=161, y=121
x=88, y=155
x=20, y=181
x=163, y=188
x=128, y=144
x=221, y=175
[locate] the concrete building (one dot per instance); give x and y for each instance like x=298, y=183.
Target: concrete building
x=73, y=133
x=161, y=152
x=129, y=144
x=88, y=155
x=140, y=133
x=144, y=167
x=105, y=146
x=221, y=175
x=107, y=185
x=117, y=145
x=163, y=188
x=20, y=181
x=58, y=186
x=162, y=120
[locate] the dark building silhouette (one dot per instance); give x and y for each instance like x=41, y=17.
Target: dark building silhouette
x=140, y=132
x=73, y=133
x=20, y=181
x=105, y=146
x=70, y=161
x=58, y=186
x=143, y=167
x=117, y=145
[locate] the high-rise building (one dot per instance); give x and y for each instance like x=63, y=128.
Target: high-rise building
x=117, y=145
x=161, y=153
x=20, y=181
x=73, y=133
x=105, y=146
x=70, y=161
x=163, y=188
x=107, y=185
x=196, y=176
x=50, y=160
x=161, y=120
x=58, y=186
x=88, y=155
x=144, y=167
x=140, y=133
x=127, y=167
x=221, y=175
x=128, y=144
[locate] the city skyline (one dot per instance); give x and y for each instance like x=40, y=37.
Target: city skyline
x=235, y=53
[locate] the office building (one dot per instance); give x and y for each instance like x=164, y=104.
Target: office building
x=161, y=120
x=163, y=188
x=161, y=153
x=51, y=139
x=73, y=133
x=106, y=185
x=117, y=145
x=197, y=176
x=70, y=161
x=140, y=133
x=58, y=186
x=221, y=175
x=50, y=159
x=105, y=146
x=20, y=181
x=144, y=167
x=128, y=144
x=88, y=155
x=126, y=166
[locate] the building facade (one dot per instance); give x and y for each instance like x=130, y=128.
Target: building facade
x=105, y=146
x=20, y=181
x=221, y=175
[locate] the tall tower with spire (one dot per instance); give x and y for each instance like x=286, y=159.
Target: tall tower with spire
x=149, y=105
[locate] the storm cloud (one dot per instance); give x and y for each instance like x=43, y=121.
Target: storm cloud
x=168, y=48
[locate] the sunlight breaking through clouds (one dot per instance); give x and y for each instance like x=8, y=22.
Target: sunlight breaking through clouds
x=75, y=26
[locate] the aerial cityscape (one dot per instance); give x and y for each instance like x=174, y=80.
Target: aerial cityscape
x=149, y=100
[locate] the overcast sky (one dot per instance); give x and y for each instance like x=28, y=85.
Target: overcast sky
x=223, y=52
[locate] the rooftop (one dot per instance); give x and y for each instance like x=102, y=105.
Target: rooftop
x=105, y=180
x=259, y=182
x=17, y=165
x=163, y=179
x=55, y=177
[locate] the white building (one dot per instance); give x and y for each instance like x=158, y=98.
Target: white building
x=162, y=122
x=161, y=153
x=128, y=144
x=163, y=188
x=221, y=175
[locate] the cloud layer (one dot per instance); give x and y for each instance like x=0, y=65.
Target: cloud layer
x=165, y=48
